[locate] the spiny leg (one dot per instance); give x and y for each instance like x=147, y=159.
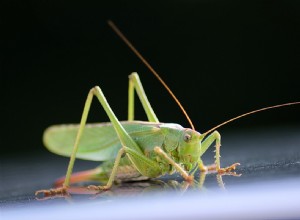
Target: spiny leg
x=215, y=136
x=135, y=83
x=179, y=169
x=220, y=181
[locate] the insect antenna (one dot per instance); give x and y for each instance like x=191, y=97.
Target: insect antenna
x=137, y=53
x=250, y=113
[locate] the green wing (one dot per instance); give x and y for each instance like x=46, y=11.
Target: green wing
x=99, y=142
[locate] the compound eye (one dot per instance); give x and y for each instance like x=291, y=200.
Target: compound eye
x=187, y=137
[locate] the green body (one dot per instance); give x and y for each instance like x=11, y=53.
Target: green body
x=100, y=142
x=151, y=148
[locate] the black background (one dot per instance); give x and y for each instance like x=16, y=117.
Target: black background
x=221, y=59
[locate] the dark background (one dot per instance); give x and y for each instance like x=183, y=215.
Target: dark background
x=221, y=59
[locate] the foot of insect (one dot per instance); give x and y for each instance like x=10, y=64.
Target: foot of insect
x=52, y=193
x=98, y=188
x=222, y=171
x=228, y=170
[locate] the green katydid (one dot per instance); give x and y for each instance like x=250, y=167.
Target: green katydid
x=134, y=150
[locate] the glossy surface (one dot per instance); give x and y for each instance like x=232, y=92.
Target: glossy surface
x=268, y=187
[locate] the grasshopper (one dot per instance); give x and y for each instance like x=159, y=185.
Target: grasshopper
x=134, y=150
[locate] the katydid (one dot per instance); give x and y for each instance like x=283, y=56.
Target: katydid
x=133, y=150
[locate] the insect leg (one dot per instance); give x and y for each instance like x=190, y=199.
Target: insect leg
x=142, y=163
x=179, y=169
x=205, y=168
x=135, y=83
x=216, y=137
x=125, y=139
x=113, y=173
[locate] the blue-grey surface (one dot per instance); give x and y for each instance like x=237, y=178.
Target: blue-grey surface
x=279, y=200
x=268, y=187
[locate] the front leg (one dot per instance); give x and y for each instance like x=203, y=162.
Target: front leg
x=179, y=169
x=215, y=136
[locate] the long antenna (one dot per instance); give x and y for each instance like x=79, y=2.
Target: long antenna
x=249, y=113
x=137, y=53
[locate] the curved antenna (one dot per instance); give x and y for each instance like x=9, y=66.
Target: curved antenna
x=249, y=113
x=137, y=53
